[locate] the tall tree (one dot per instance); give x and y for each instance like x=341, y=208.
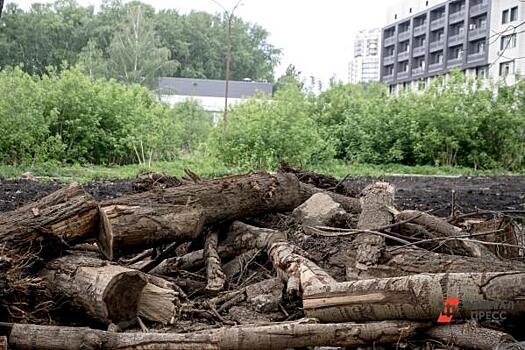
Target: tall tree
x=134, y=53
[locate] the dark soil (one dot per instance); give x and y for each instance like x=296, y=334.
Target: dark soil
x=413, y=192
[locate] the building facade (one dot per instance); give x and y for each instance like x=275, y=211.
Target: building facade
x=209, y=93
x=426, y=38
x=365, y=65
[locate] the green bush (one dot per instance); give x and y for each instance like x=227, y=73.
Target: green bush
x=72, y=118
x=263, y=132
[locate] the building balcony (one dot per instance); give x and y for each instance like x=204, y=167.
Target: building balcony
x=456, y=17
x=420, y=29
x=402, y=75
x=456, y=39
x=403, y=56
x=418, y=70
x=390, y=40
x=388, y=78
x=436, y=45
x=418, y=51
x=437, y=23
x=434, y=67
x=476, y=56
x=388, y=60
x=455, y=62
x=404, y=35
x=477, y=33
x=479, y=9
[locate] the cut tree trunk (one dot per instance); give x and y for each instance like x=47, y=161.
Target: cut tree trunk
x=398, y=261
x=107, y=292
x=416, y=297
x=376, y=201
x=158, y=304
x=257, y=337
x=227, y=198
x=33, y=337
x=349, y=204
x=43, y=228
x=471, y=336
x=126, y=229
x=216, y=277
x=282, y=254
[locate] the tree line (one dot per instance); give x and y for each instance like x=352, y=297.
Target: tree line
x=132, y=42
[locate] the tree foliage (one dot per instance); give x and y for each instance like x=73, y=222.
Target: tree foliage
x=263, y=132
x=129, y=41
x=70, y=117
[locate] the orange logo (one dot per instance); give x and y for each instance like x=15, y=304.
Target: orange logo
x=448, y=310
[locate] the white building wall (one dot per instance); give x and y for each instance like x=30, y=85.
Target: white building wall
x=406, y=8
x=497, y=55
x=212, y=105
x=365, y=65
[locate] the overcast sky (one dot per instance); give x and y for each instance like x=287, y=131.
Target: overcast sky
x=315, y=35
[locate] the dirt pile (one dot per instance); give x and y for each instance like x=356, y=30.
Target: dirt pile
x=163, y=263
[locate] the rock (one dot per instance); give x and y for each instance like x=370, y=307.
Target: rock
x=319, y=210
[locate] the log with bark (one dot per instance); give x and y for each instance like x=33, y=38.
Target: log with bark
x=216, y=277
x=471, y=336
x=376, y=201
x=415, y=297
x=109, y=293
x=399, y=261
x=126, y=229
x=296, y=334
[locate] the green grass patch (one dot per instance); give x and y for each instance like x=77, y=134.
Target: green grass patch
x=212, y=168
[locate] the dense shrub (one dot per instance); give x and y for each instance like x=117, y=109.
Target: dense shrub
x=458, y=123
x=263, y=132
x=70, y=117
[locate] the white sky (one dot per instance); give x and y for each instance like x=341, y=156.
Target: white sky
x=315, y=35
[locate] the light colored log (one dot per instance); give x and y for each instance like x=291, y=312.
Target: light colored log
x=216, y=277
x=415, y=297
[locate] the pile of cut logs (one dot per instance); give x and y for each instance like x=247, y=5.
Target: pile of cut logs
x=128, y=272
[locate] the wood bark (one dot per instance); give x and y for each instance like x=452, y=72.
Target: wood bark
x=441, y=228
x=257, y=337
x=33, y=337
x=65, y=217
x=227, y=198
x=416, y=297
x=126, y=229
x=216, y=277
x=407, y=261
x=282, y=254
x=375, y=203
x=3, y=343
x=470, y=336
x=107, y=292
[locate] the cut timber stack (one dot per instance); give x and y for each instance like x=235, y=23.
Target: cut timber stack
x=175, y=267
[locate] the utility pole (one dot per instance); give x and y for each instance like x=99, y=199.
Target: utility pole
x=230, y=17
x=1, y=7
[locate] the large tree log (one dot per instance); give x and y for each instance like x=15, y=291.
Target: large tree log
x=416, y=297
x=407, y=261
x=258, y=337
x=375, y=203
x=65, y=217
x=282, y=254
x=471, y=336
x=126, y=229
x=107, y=292
x=35, y=233
x=349, y=204
x=227, y=198
x=33, y=337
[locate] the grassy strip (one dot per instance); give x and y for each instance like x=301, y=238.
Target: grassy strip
x=211, y=168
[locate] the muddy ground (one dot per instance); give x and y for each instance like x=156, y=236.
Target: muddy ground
x=413, y=192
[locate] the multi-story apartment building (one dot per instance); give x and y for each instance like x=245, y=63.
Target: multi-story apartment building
x=365, y=65
x=426, y=38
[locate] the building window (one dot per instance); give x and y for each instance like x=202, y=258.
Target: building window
x=508, y=42
x=426, y=3
x=421, y=85
x=482, y=72
x=514, y=14
x=410, y=11
x=505, y=17
x=506, y=68
x=392, y=88
x=395, y=16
